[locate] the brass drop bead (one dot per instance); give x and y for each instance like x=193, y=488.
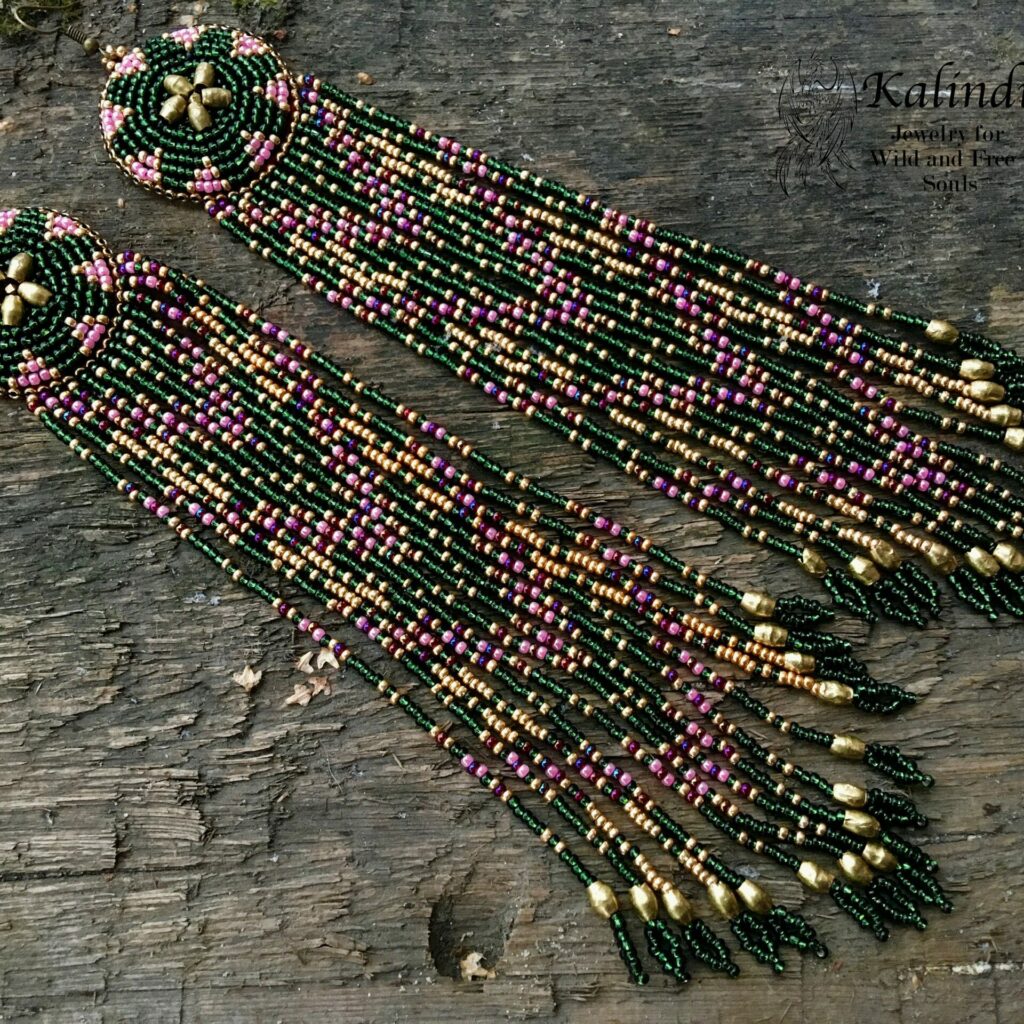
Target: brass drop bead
x=812, y=562
x=1008, y=556
x=758, y=604
x=849, y=794
x=986, y=391
x=977, y=369
x=1014, y=438
x=754, y=897
x=941, y=558
x=860, y=823
x=20, y=266
x=863, y=569
x=814, y=876
x=941, y=331
x=982, y=562
x=855, y=868
x=178, y=85
x=833, y=692
x=1004, y=415
x=850, y=748
x=34, y=294
x=602, y=899
x=885, y=554
x=723, y=899
x=879, y=857
x=797, y=661
x=771, y=635
x=205, y=74
x=644, y=901
x=677, y=906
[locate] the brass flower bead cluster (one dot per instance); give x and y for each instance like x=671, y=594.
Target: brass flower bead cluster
x=19, y=290
x=196, y=98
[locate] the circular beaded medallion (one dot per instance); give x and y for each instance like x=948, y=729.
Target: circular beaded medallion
x=59, y=298
x=199, y=112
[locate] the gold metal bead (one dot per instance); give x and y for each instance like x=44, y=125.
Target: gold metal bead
x=885, y=554
x=771, y=635
x=940, y=557
x=198, y=115
x=849, y=794
x=855, y=868
x=941, y=331
x=173, y=108
x=863, y=569
x=879, y=857
x=1003, y=415
x=11, y=311
x=1014, y=438
x=215, y=98
x=20, y=267
x=982, y=562
x=1008, y=556
x=759, y=604
x=723, y=899
x=34, y=294
x=205, y=74
x=754, y=897
x=644, y=901
x=860, y=823
x=986, y=391
x=178, y=85
x=677, y=906
x=833, y=692
x=977, y=369
x=797, y=661
x=812, y=563
x=602, y=899
x=814, y=876
x=849, y=748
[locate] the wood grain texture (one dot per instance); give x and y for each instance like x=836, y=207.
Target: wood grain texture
x=173, y=849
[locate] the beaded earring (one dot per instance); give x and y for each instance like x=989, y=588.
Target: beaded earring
x=534, y=630
x=767, y=403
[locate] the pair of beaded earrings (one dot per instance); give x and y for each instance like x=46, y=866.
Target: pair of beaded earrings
x=562, y=658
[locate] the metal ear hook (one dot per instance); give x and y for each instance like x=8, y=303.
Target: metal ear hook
x=75, y=32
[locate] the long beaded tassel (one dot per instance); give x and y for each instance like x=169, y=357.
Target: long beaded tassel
x=553, y=653
x=735, y=389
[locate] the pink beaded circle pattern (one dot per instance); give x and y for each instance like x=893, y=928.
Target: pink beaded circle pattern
x=59, y=298
x=197, y=113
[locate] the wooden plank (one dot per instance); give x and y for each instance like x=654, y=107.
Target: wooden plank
x=174, y=849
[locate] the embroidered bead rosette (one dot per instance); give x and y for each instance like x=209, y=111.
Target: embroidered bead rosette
x=58, y=297
x=197, y=112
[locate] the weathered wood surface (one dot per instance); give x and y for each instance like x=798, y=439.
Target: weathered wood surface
x=175, y=849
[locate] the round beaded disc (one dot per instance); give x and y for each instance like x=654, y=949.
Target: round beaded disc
x=198, y=112
x=59, y=297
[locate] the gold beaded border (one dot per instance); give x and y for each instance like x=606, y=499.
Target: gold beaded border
x=190, y=197
x=104, y=250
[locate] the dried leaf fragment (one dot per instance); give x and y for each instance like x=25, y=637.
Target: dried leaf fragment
x=321, y=684
x=471, y=967
x=326, y=657
x=248, y=679
x=302, y=695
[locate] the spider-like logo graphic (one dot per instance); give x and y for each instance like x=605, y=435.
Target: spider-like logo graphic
x=817, y=105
